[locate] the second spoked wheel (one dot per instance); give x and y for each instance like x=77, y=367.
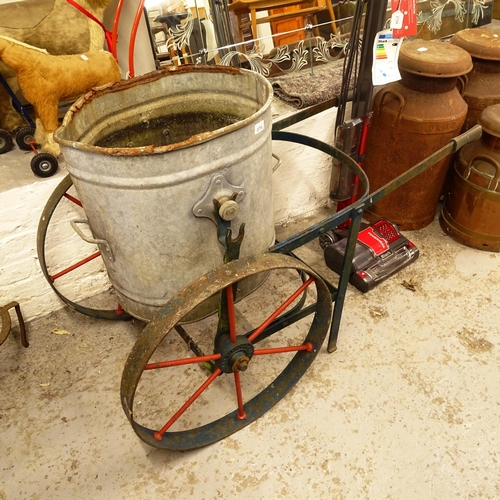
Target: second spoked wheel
x=68, y=272
x=239, y=366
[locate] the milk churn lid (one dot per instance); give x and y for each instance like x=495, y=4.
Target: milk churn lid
x=433, y=58
x=489, y=119
x=479, y=42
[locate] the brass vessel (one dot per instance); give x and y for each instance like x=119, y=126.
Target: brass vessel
x=471, y=210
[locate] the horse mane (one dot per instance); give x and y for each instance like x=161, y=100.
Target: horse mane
x=17, y=42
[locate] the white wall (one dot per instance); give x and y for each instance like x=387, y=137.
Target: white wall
x=22, y=199
x=301, y=184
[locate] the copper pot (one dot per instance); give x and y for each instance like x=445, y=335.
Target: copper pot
x=471, y=210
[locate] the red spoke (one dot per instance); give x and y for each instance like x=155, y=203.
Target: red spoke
x=158, y=435
x=183, y=361
x=241, y=411
x=230, y=313
x=277, y=350
x=73, y=199
x=280, y=309
x=74, y=266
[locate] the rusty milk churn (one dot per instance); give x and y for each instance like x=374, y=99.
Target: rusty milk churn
x=471, y=210
x=412, y=119
x=483, y=82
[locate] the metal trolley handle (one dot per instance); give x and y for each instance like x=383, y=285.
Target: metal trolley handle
x=494, y=179
x=88, y=239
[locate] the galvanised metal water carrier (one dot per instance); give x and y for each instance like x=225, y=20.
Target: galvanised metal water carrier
x=148, y=157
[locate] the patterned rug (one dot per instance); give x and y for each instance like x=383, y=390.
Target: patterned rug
x=309, y=86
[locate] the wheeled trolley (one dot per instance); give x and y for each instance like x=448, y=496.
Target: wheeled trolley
x=259, y=363
x=42, y=164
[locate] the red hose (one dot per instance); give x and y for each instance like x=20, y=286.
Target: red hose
x=116, y=20
x=133, y=35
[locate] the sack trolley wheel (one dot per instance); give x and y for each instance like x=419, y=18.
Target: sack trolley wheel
x=61, y=193
x=5, y=142
x=178, y=401
x=25, y=136
x=44, y=165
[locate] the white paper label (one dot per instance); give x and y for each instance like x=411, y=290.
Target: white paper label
x=397, y=20
x=259, y=127
x=385, y=58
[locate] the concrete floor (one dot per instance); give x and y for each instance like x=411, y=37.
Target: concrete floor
x=407, y=407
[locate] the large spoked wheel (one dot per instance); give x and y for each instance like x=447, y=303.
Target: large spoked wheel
x=185, y=402
x=63, y=277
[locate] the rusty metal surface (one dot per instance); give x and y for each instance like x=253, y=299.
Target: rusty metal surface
x=408, y=125
x=434, y=59
x=207, y=285
x=143, y=207
x=65, y=135
x=482, y=87
x=226, y=275
x=482, y=43
x=6, y=323
x=471, y=210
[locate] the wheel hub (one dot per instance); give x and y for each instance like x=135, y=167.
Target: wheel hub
x=234, y=356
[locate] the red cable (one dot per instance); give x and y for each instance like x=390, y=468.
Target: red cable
x=361, y=151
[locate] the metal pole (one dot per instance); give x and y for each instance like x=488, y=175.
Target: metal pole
x=374, y=22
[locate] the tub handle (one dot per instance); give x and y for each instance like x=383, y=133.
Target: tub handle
x=494, y=179
x=88, y=239
x=399, y=97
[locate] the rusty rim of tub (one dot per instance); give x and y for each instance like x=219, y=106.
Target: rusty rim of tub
x=149, y=78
